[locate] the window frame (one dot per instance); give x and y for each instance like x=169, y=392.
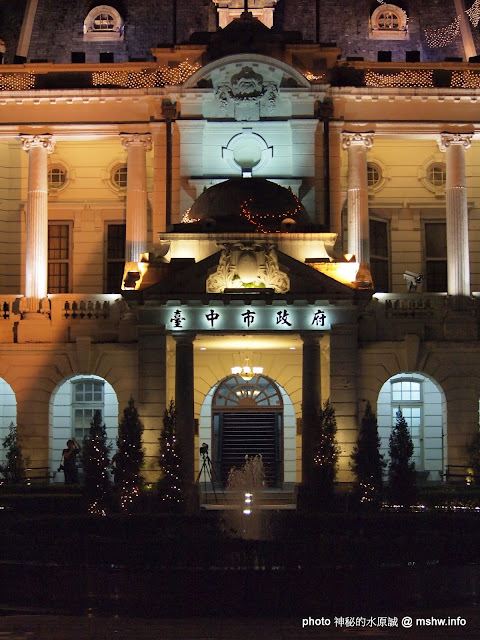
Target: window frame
x=418, y=451
x=107, y=260
x=385, y=259
x=380, y=33
x=428, y=259
x=90, y=33
x=68, y=261
x=91, y=405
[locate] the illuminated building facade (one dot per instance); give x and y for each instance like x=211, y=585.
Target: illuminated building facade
x=298, y=189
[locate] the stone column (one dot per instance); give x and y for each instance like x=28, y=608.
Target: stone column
x=458, y=254
x=357, y=199
x=136, y=145
x=184, y=390
x=311, y=403
x=36, y=249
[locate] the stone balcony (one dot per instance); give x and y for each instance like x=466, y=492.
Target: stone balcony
x=430, y=316
x=65, y=317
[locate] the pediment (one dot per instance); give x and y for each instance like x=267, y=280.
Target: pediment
x=246, y=87
x=182, y=278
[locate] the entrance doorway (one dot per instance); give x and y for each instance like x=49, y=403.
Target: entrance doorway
x=248, y=421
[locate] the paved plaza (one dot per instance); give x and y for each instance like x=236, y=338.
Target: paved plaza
x=459, y=623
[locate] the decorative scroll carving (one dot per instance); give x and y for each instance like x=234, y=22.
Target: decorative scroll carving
x=129, y=139
x=248, y=266
x=447, y=139
x=357, y=138
x=46, y=141
x=248, y=94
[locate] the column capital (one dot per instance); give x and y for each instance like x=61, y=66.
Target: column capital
x=137, y=139
x=184, y=337
x=46, y=141
x=354, y=138
x=447, y=139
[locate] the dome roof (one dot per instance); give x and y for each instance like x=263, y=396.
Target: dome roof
x=249, y=205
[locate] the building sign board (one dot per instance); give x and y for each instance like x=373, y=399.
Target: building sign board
x=244, y=318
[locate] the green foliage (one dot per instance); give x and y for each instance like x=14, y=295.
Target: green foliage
x=473, y=456
x=401, y=472
x=14, y=471
x=170, y=485
x=95, y=458
x=367, y=462
x=326, y=456
x=129, y=457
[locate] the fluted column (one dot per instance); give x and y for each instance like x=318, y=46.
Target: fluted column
x=311, y=403
x=136, y=145
x=36, y=249
x=458, y=255
x=357, y=197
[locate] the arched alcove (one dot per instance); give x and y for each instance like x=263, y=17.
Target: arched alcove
x=423, y=405
x=72, y=406
x=8, y=412
x=250, y=408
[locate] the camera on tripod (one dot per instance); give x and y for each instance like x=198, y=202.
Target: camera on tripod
x=204, y=449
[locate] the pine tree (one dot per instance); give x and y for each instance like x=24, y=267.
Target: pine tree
x=326, y=456
x=367, y=462
x=170, y=485
x=95, y=459
x=129, y=457
x=14, y=471
x=401, y=471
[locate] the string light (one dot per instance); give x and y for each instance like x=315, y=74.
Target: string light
x=265, y=221
x=443, y=36
x=145, y=79
x=311, y=77
x=17, y=81
x=186, y=217
x=474, y=13
x=405, y=78
x=465, y=79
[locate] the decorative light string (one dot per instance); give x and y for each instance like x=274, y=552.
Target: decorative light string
x=465, y=79
x=443, y=36
x=405, y=78
x=140, y=79
x=261, y=221
x=187, y=219
x=17, y=81
x=311, y=77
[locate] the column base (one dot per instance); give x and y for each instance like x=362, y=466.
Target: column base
x=34, y=327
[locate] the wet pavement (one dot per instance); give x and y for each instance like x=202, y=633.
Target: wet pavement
x=459, y=623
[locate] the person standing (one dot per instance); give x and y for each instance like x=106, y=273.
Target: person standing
x=69, y=455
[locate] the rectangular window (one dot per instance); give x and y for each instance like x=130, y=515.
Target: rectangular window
x=379, y=255
x=115, y=253
x=58, y=258
x=435, y=256
x=87, y=398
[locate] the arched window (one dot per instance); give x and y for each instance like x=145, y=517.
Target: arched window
x=248, y=421
x=72, y=407
x=103, y=23
x=423, y=406
x=389, y=22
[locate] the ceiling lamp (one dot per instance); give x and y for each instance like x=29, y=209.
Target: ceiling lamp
x=247, y=372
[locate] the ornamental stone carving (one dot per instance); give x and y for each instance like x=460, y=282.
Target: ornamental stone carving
x=349, y=139
x=45, y=141
x=140, y=139
x=447, y=139
x=248, y=266
x=247, y=97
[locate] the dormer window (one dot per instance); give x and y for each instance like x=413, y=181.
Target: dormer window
x=229, y=10
x=103, y=23
x=389, y=22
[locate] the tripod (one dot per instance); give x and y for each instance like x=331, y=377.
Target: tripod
x=207, y=470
